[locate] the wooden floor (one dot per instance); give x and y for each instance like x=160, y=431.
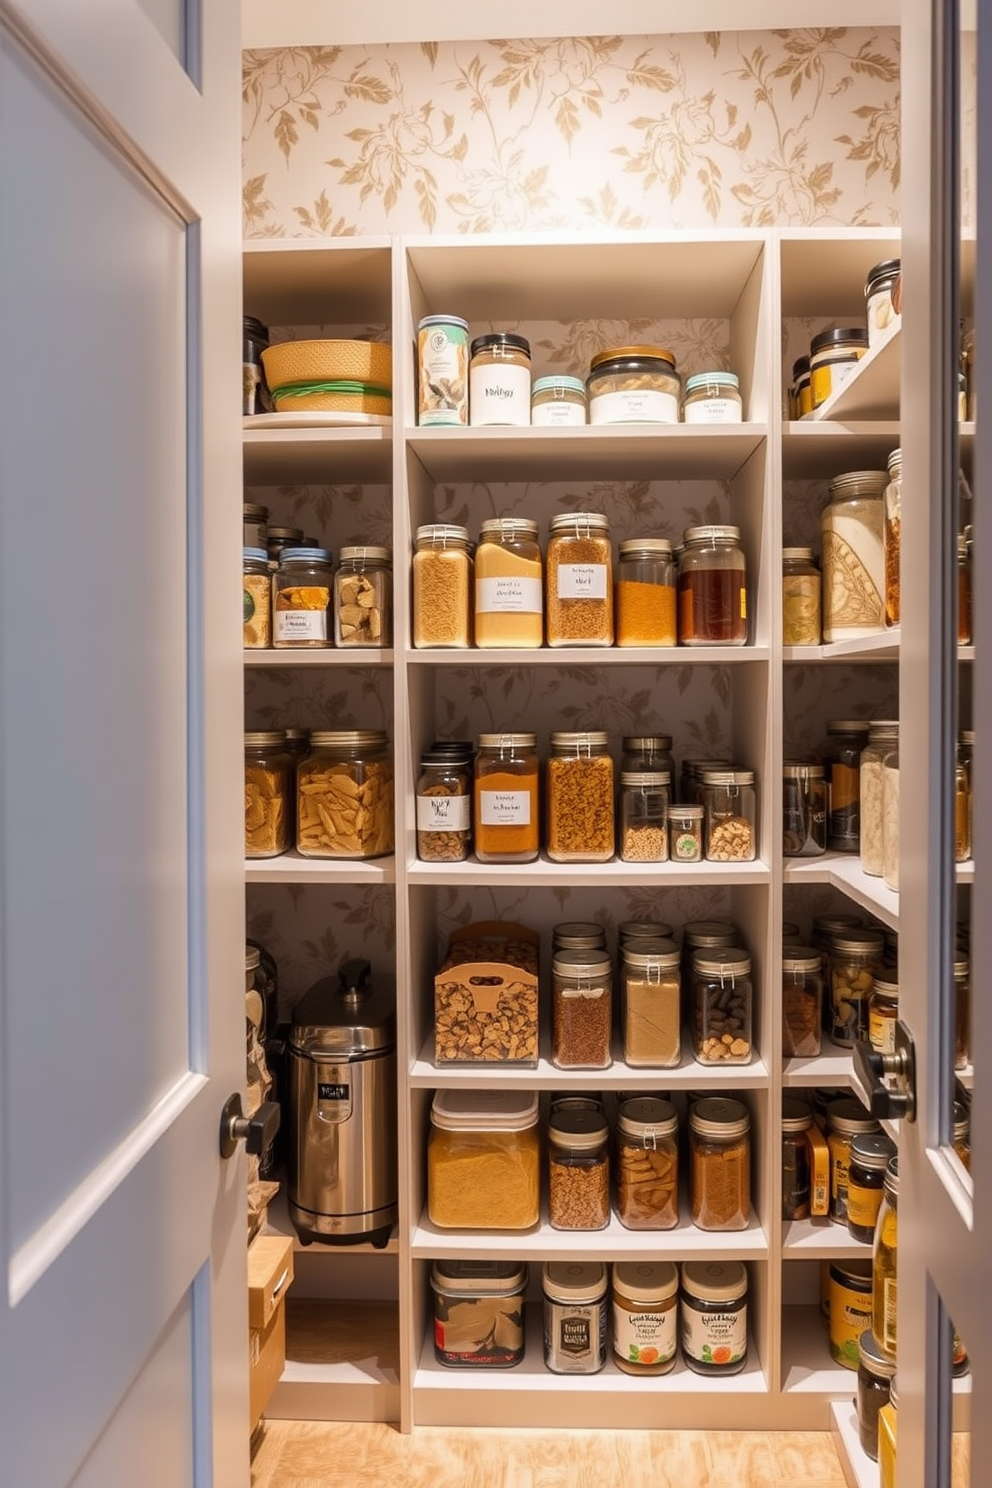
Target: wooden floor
x=298, y=1454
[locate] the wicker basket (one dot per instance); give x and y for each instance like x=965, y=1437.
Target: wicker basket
x=286, y=402
x=324, y=361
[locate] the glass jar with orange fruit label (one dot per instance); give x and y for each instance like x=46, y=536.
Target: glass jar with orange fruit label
x=645, y=1316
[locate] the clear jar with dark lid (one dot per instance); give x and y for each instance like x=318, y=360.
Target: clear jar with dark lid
x=846, y=1118
x=853, y=559
x=256, y=518
x=720, y=1164
x=647, y=1164
x=578, y=1171
x=892, y=537
x=442, y=586
x=855, y=960
x=255, y=393
x=884, y=1261
x=650, y=1003
x=802, y=1001
x=499, y=380
x=579, y=580
x=509, y=584
x=444, y=807
x=257, y=598
x=962, y=1012
x=841, y=754
x=580, y=797
x=363, y=597
x=344, y=792
x=644, y=801
x=505, y=814
x=646, y=593
x=578, y=935
x=712, y=588
x=883, y=736
x=804, y=810
x=268, y=794
x=833, y=356
x=870, y=1153
x=731, y=816
x=713, y=1300
x=875, y=1374
x=301, y=599
x=278, y=538
x=800, y=598
x=721, y=1006
x=645, y=1316
x=581, y=1010
x=883, y=299
x=634, y=385
x=647, y=752
x=883, y=1011
x=797, y=1119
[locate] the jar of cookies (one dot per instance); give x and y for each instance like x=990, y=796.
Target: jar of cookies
x=647, y=1164
x=731, y=816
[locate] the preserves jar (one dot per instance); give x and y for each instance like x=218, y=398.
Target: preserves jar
x=712, y=588
x=797, y=1118
x=800, y=598
x=884, y=1262
x=647, y=1164
x=505, y=809
x=855, y=960
x=442, y=368
x=645, y=593
x=558, y=402
x=833, y=355
x=883, y=1011
x=712, y=398
x=444, y=806
x=478, y=1313
x=883, y=299
x=846, y=739
x=802, y=389
x=301, y=598
x=344, y=793
x=849, y=1308
x=713, y=1301
x=581, y=1009
x=721, y=1006
x=579, y=581
x=499, y=380
x=650, y=1003
x=268, y=794
x=853, y=556
x=731, y=816
x=363, y=597
x=883, y=735
x=644, y=798
x=890, y=819
x=483, y=1160
x=509, y=584
x=802, y=1001
x=892, y=537
x=256, y=531
x=875, y=1372
x=962, y=1012
x=804, y=810
x=578, y=1170
x=846, y=1119
x=257, y=598
x=685, y=833
x=279, y=538
x=720, y=1164
x=442, y=584
x=634, y=385
x=580, y=799
x=870, y=1153
x=255, y=395
x=575, y=1307
x=647, y=752
x=645, y=1316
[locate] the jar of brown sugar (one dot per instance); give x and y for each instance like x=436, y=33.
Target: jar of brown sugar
x=505, y=802
x=581, y=1010
x=645, y=593
x=647, y=1164
x=651, y=1004
x=579, y=581
x=580, y=799
x=720, y=1164
x=442, y=584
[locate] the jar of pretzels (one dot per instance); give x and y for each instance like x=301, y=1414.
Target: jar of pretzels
x=647, y=1164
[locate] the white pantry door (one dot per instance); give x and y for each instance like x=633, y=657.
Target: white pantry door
x=123, y=1314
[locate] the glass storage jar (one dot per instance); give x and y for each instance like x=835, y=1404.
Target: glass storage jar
x=883, y=735
x=645, y=593
x=713, y=1302
x=797, y=1118
x=578, y=1171
x=721, y=1006
x=846, y=739
x=853, y=556
x=645, y=1316
x=712, y=588
x=442, y=368
x=802, y=1002
x=731, y=816
x=846, y=1119
x=875, y=1373
x=962, y=815
x=505, y=814
x=833, y=355
x=479, y=1313
x=644, y=798
x=883, y=299
x=444, y=807
x=630, y=930
x=580, y=799
x=579, y=581
x=685, y=834
x=256, y=530
x=483, y=1160
x=855, y=960
x=712, y=398
x=301, y=598
x=581, y=1009
x=257, y=599
x=363, y=597
x=804, y=810
x=870, y=1153
x=254, y=393
x=800, y=598
x=892, y=537
x=961, y=1134
x=344, y=795
x=279, y=538
x=962, y=1012
x=268, y=794
x=558, y=402
x=884, y=1260
x=802, y=389
x=442, y=585
x=578, y=935
x=634, y=385
x=647, y=752
x=705, y=935
x=964, y=589
x=509, y=584
x=883, y=1010
x=650, y=1003
x=720, y=1164
x=499, y=380
x=575, y=1307
x=647, y=1164
x=890, y=819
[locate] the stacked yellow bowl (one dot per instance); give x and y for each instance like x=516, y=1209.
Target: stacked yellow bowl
x=330, y=376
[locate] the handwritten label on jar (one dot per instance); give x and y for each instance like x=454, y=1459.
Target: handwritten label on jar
x=514, y=596
x=443, y=813
x=301, y=625
x=582, y=581
x=635, y=406
x=557, y=412
x=505, y=808
x=499, y=395
x=713, y=411
x=645, y=1337
x=714, y=1337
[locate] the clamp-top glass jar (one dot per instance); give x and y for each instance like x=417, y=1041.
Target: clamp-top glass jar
x=651, y=1003
x=579, y=581
x=558, y=401
x=731, y=816
x=804, y=810
x=301, y=598
x=581, y=1009
x=721, y=1006
x=505, y=815
x=647, y=1164
x=442, y=585
x=853, y=556
x=268, y=794
x=499, y=380
x=578, y=1171
x=509, y=587
x=363, y=597
x=855, y=959
x=800, y=598
x=713, y=398
x=344, y=791
x=712, y=588
x=720, y=1164
x=580, y=799
x=646, y=593
x=634, y=385
x=644, y=801
x=444, y=806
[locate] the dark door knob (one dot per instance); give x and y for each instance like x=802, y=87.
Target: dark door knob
x=257, y=1132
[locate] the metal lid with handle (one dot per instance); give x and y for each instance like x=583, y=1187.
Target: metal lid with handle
x=346, y=1016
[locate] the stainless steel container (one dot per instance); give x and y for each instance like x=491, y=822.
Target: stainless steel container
x=342, y=1109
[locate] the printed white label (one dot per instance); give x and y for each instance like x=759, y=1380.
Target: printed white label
x=574, y=1337
x=499, y=395
x=635, y=406
x=505, y=808
x=557, y=413
x=644, y=1337
x=301, y=625
x=882, y=1033
x=582, y=580
x=443, y=813
x=840, y=372
x=713, y=411
x=508, y=596
x=714, y=1337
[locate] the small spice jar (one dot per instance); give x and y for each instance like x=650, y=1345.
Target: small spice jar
x=870, y=1153
x=644, y=799
x=579, y=581
x=841, y=753
x=505, y=814
x=846, y=1119
x=883, y=299
x=581, y=1010
x=499, y=380
x=575, y=1307
x=731, y=816
x=647, y=1164
x=892, y=537
x=478, y=1313
x=257, y=598
x=802, y=1001
x=301, y=598
x=883, y=735
x=849, y=1303
x=646, y=593
x=442, y=366
x=685, y=833
x=797, y=1118
x=645, y=1316
x=509, y=584
x=558, y=402
x=444, y=807
x=800, y=598
x=883, y=1011
x=721, y=1006
x=720, y=1164
x=884, y=1263
x=962, y=1012
x=804, y=810
x=344, y=794
x=279, y=538
x=855, y=960
x=363, y=597
x=578, y=1171
x=852, y=545
x=580, y=798
x=833, y=356
x=650, y=1003
x=712, y=588
x=875, y=1374
x=890, y=819
x=442, y=584
x=634, y=385
x=713, y=1300
x=483, y=1160
x=802, y=390
x=712, y=398
x=256, y=531
x=268, y=794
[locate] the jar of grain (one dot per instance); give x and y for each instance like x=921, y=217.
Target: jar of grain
x=268, y=794
x=797, y=1119
x=579, y=581
x=712, y=398
x=442, y=584
x=644, y=799
x=301, y=599
x=800, y=598
x=578, y=1171
x=483, y=1160
x=883, y=1012
x=855, y=960
x=344, y=792
x=650, y=1003
x=645, y=1316
x=853, y=556
x=890, y=819
x=634, y=385
x=685, y=834
x=257, y=598
x=574, y=1316
x=581, y=1010
x=647, y=1164
x=444, y=807
x=962, y=1012
x=442, y=366
x=846, y=1119
x=509, y=584
x=505, y=814
x=499, y=380
x=833, y=356
x=804, y=810
x=883, y=735
x=713, y=1300
x=580, y=799
x=645, y=593
x=363, y=597
x=731, y=816
x=712, y=588
x=721, y=1006
x=558, y=402
x=892, y=537
x=720, y=1164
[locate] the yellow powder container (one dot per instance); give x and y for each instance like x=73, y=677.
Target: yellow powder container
x=646, y=593
x=483, y=1160
x=442, y=575
x=509, y=585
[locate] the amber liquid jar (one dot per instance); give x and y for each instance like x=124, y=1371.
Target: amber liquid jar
x=712, y=588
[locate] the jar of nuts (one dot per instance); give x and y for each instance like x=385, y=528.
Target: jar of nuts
x=721, y=1006
x=444, y=806
x=731, y=816
x=578, y=1171
x=854, y=960
x=363, y=609
x=580, y=799
x=581, y=1009
x=344, y=794
x=647, y=1164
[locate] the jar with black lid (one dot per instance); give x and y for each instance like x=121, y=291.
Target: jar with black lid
x=883, y=299
x=499, y=380
x=833, y=356
x=841, y=755
x=277, y=538
x=875, y=1374
x=713, y=1300
x=804, y=810
x=801, y=396
x=870, y=1153
x=255, y=394
x=797, y=1118
x=578, y=1171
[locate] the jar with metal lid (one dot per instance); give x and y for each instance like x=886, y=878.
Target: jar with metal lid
x=278, y=538
x=558, y=402
x=650, y=1005
x=846, y=739
x=257, y=599
x=883, y=299
x=833, y=355
x=883, y=736
x=712, y=398
x=804, y=810
x=256, y=531
x=712, y=588
x=575, y=1307
x=580, y=799
x=802, y=1001
x=629, y=931
x=483, y=1160
x=713, y=1301
x=344, y=794
x=301, y=599
x=802, y=389
x=892, y=537
x=887, y=1425
x=720, y=1164
x=962, y=815
x=964, y=590
x=581, y=1010
x=884, y=1258
x=579, y=581
x=363, y=597
x=691, y=780
x=647, y=1164
x=685, y=833
x=855, y=960
x=509, y=584
x=853, y=556
x=578, y=935
x=634, y=385
x=442, y=367
x=298, y=743
x=645, y=1316
x=849, y=1302
x=578, y=1171
x=870, y=1153
x=647, y=752
x=268, y=794
x=721, y=1006
x=479, y=1313
x=797, y=1118
x=444, y=807
x=645, y=593
x=966, y=758
x=499, y=380
x=846, y=1119
x=883, y=1011
x=962, y=1012
x=705, y=935
x=731, y=816
x=875, y=1372
x=890, y=819
x=442, y=585
x=505, y=814
x=823, y=929
x=644, y=798
x=255, y=394
x=800, y=598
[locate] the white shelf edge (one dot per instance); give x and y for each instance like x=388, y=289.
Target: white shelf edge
x=425, y=1074
x=819, y=1240
x=278, y=1222
x=325, y=656
x=571, y=656
x=843, y=871
x=807, y=1365
x=290, y=867
x=612, y=1243
x=843, y=403
x=833, y=1066
x=544, y=873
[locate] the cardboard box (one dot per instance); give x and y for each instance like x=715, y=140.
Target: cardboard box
x=486, y=996
x=270, y=1272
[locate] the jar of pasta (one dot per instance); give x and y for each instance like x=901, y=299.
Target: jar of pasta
x=853, y=556
x=444, y=807
x=509, y=584
x=846, y=1119
x=855, y=960
x=731, y=816
x=580, y=799
x=645, y=593
x=712, y=588
x=634, y=385
x=301, y=598
x=257, y=598
x=578, y=1171
x=579, y=581
x=499, y=380
x=720, y=1164
x=344, y=795
x=505, y=807
x=442, y=585
x=363, y=597
x=883, y=735
x=644, y=800
x=581, y=1009
x=268, y=794
x=712, y=398
x=558, y=402
x=645, y=1316
x=650, y=1003
x=800, y=598
x=721, y=1006
x=483, y=1160
x=647, y=1164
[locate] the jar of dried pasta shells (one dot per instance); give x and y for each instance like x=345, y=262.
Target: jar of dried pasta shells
x=268, y=794
x=344, y=791
x=579, y=581
x=301, y=598
x=580, y=798
x=647, y=1164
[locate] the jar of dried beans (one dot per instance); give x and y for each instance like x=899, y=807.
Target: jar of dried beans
x=650, y=1003
x=509, y=587
x=883, y=735
x=444, y=807
x=644, y=799
x=721, y=1006
x=645, y=593
x=731, y=816
x=442, y=584
x=720, y=1164
x=578, y=1171
x=579, y=581
x=363, y=597
x=802, y=1002
x=581, y=1010
x=800, y=598
x=712, y=588
x=301, y=598
x=268, y=794
x=647, y=1164
x=344, y=791
x=505, y=804
x=892, y=537
x=580, y=799
x=853, y=556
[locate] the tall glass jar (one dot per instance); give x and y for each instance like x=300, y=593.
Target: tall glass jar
x=363, y=597
x=578, y=1171
x=650, y=1004
x=301, y=599
x=505, y=816
x=883, y=736
x=890, y=819
x=344, y=793
x=731, y=816
x=581, y=1010
x=884, y=1260
x=853, y=559
x=721, y=1006
x=712, y=588
x=800, y=598
x=846, y=1119
x=268, y=794
x=870, y=1154
x=892, y=537
x=509, y=585
x=257, y=603
x=648, y=752
x=855, y=961
x=964, y=589
x=645, y=593
x=962, y=1012
x=804, y=810
x=647, y=1164
x=579, y=580
x=720, y=1164
x=644, y=801
x=797, y=1118
x=442, y=586
x=580, y=799
x=802, y=1002
x=846, y=739
x=962, y=815
x=444, y=807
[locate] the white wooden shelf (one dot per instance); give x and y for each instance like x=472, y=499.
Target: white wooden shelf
x=542, y=1243
x=328, y=656
x=832, y=1066
x=843, y=871
x=332, y=457
x=819, y=1240
x=872, y=390
x=318, y=281
x=875, y=648
x=827, y=447
x=573, y=656
x=290, y=867
x=807, y=1365
x=342, y=1363
x=546, y=874
x=690, y=1075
